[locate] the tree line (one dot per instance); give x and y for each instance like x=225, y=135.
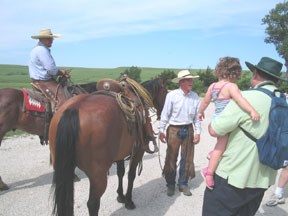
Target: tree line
x=201, y=84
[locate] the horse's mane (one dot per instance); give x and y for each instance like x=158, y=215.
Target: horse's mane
x=153, y=86
x=89, y=87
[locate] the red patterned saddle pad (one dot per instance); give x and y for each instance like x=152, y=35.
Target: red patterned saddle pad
x=32, y=103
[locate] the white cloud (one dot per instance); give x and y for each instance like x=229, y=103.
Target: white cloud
x=88, y=19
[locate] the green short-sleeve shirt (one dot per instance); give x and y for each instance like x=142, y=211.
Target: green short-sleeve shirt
x=240, y=162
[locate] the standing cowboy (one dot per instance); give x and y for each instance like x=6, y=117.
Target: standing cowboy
x=180, y=112
x=43, y=70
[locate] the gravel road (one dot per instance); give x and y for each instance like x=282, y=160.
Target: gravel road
x=25, y=168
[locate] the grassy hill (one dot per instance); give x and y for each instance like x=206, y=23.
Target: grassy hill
x=16, y=76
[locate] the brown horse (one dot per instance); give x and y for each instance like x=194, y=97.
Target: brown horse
x=91, y=132
x=13, y=116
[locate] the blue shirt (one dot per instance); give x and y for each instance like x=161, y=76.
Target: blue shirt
x=180, y=109
x=42, y=65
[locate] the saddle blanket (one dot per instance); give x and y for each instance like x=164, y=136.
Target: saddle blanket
x=31, y=103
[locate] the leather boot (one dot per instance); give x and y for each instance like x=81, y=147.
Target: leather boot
x=185, y=190
x=170, y=190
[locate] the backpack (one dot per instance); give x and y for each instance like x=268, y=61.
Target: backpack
x=273, y=145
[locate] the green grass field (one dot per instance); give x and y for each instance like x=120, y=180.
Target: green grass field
x=16, y=76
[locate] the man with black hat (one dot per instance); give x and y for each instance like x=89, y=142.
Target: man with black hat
x=240, y=178
x=43, y=70
x=180, y=113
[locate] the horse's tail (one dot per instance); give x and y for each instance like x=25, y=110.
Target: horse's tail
x=66, y=137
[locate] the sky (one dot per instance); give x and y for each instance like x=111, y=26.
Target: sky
x=186, y=34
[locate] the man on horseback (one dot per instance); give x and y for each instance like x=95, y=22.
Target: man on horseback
x=43, y=70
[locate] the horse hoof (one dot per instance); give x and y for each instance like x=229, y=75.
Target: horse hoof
x=130, y=205
x=121, y=199
x=76, y=178
x=3, y=187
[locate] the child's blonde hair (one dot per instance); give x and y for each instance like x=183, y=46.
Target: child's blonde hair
x=228, y=68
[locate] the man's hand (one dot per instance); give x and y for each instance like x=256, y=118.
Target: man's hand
x=162, y=137
x=196, y=139
x=65, y=73
x=201, y=116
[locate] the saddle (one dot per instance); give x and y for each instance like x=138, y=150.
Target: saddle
x=41, y=101
x=134, y=101
x=51, y=91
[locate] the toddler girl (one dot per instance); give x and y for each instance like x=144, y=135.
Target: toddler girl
x=228, y=70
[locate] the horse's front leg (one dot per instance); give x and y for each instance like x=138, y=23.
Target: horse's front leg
x=129, y=204
x=120, y=174
x=3, y=186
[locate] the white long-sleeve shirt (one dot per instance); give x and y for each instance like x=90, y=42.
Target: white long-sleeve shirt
x=42, y=65
x=180, y=109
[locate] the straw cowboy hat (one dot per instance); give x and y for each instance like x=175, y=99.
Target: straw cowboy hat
x=268, y=66
x=45, y=33
x=183, y=74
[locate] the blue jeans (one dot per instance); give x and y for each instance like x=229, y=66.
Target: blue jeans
x=170, y=178
x=181, y=181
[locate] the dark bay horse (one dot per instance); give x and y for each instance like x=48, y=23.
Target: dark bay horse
x=91, y=132
x=13, y=116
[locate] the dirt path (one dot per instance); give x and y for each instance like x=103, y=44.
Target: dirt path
x=25, y=168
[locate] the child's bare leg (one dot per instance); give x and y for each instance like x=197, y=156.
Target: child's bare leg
x=215, y=157
x=216, y=154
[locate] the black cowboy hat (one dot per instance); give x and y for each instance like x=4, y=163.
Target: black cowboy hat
x=268, y=66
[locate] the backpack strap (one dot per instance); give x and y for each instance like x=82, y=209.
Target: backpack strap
x=248, y=134
x=269, y=93
x=266, y=91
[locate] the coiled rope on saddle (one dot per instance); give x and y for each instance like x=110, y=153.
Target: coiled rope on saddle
x=141, y=92
x=128, y=107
